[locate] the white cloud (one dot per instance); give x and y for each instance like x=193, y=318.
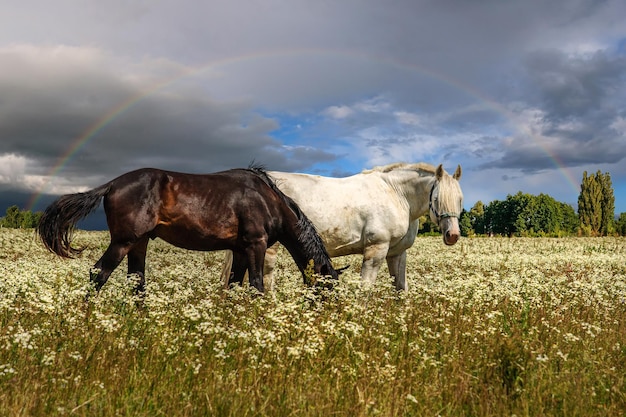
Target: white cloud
x=338, y=112
x=619, y=125
x=407, y=118
x=375, y=105
x=12, y=168
x=14, y=172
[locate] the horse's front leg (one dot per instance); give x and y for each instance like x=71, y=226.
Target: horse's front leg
x=373, y=258
x=256, y=257
x=397, y=269
x=268, y=266
x=227, y=268
x=239, y=268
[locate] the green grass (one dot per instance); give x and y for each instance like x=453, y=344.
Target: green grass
x=489, y=327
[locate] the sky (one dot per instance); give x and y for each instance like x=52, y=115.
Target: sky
x=525, y=95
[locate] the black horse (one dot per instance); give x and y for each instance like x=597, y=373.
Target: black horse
x=240, y=209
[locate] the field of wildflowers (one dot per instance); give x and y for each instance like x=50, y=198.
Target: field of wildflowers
x=489, y=327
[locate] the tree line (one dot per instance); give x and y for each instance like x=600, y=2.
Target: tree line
x=20, y=219
x=519, y=215
x=541, y=215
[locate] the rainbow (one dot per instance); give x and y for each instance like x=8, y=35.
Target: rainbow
x=92, y=131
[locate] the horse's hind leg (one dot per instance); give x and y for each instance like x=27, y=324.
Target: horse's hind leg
x=111, y=258
x=137, y=264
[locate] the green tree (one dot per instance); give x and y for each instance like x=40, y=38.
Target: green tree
x=608, y=204
x=547, y=217
x=26, y=219
x=426, y=226
x=16, y=218
x=569, y=219
x=36, y=218
x=465, y=224
x=620, y=226
x=527, y=215
x=477, y=217
x=596, y=204
x=12, y=218
x=497, y=218
x=522, y=209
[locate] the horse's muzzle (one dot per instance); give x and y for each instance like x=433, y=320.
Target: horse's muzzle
x=450, y=238
x=451, y=232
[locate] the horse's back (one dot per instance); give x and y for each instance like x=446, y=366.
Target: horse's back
x=349, y=213
x=193, y=211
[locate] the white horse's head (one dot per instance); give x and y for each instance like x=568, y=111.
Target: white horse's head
x=446, y=204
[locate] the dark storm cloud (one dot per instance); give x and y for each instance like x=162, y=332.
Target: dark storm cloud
x=569, y=87
x=536, y=159
x=47, y=108
x=580, y=101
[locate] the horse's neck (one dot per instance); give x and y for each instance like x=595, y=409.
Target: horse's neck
x=304, y=244
x=414, y=187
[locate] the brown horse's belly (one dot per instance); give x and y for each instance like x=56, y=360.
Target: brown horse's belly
x=192, y=239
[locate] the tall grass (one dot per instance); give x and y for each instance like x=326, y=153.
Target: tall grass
x=489, y=327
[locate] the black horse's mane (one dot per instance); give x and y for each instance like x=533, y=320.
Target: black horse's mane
x=308, y=237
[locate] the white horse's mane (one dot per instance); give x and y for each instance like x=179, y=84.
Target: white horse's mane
x=420, y=166
x=448, y=200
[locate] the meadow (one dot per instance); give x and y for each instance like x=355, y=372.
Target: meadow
x=489, y=327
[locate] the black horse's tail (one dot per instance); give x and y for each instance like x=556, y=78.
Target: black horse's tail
x=58, y=220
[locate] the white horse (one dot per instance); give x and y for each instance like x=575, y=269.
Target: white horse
x=374, y=213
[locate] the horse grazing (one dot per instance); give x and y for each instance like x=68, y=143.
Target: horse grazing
x=374, y=213
x=241, y=210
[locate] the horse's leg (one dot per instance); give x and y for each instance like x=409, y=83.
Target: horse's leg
x=239, y=268
x=234, y=269
x=397, y=269
x=373, y=258
x=227, y=269
x=256, y=256
x=271, y=254
x=137, y=264
x=268, y=269
x=111, y=258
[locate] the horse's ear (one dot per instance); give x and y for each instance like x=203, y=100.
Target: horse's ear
x=457, y=173
x=439, y=172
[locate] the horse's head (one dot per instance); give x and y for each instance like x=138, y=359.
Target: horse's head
x=328, y=271
x=326, y=274
x=445, y=204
